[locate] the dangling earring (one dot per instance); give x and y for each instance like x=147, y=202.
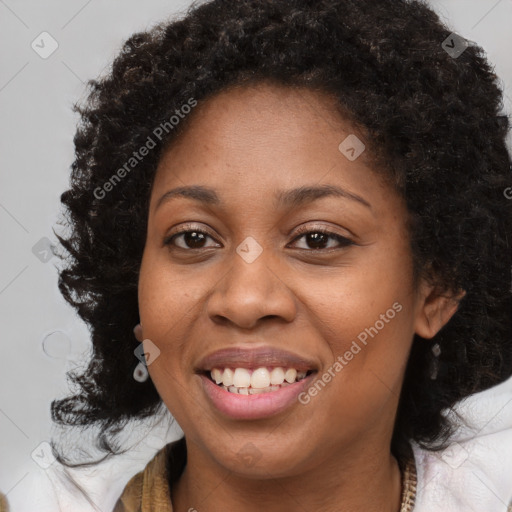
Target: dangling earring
x=140, y=374
x=434, y=367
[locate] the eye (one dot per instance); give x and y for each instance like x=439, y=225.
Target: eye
x=195, y=238
x=318, y=237
x=190, y=237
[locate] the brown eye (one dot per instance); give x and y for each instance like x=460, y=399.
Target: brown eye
x=316, y=239
x=190, y=239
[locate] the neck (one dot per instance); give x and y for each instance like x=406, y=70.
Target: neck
x=367, y=480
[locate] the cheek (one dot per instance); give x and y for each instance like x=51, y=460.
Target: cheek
x=171, y=301
x=166, y=297
x=361, y=380
x=165, y=301
x=359, y=296
x=368, y=329
x=368, y=324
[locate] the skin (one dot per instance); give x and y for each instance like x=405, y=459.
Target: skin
x=332, y=454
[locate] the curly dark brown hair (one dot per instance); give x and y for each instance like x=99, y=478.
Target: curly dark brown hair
x=436, y=130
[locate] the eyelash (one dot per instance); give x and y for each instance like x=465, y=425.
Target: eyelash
x=343, y=241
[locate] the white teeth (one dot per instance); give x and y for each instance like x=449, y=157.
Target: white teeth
x=242, y=378
x=249, y=382
x=260, y=378
x=217, y=375
x=255, y=391
x=277, y=375
x=290, y=375
x=227, y=377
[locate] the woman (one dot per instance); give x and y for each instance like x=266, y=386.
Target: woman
x=301, y=207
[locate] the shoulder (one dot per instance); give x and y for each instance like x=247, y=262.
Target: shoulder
x=473, y=471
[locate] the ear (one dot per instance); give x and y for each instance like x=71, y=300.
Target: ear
x=137, y=331
x=435, y=309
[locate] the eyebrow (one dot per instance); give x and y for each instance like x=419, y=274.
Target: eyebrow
x=284, y=198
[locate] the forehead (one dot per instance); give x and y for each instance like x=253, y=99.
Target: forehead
x=264, y=137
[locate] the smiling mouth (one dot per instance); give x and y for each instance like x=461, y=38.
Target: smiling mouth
x=245, y=381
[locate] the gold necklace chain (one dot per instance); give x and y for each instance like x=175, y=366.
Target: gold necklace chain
x=409, y=483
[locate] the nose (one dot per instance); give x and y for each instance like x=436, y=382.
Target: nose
x=249, y=293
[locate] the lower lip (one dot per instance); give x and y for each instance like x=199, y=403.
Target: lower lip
x=251, y=407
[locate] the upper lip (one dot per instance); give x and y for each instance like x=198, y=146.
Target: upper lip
x=242, y=357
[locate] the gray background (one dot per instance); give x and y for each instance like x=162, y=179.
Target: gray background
x=41, y=336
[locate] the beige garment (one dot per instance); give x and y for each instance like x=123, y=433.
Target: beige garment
x=148, y=491
x=4, y=507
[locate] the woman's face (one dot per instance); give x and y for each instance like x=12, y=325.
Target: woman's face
x=256, y=283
